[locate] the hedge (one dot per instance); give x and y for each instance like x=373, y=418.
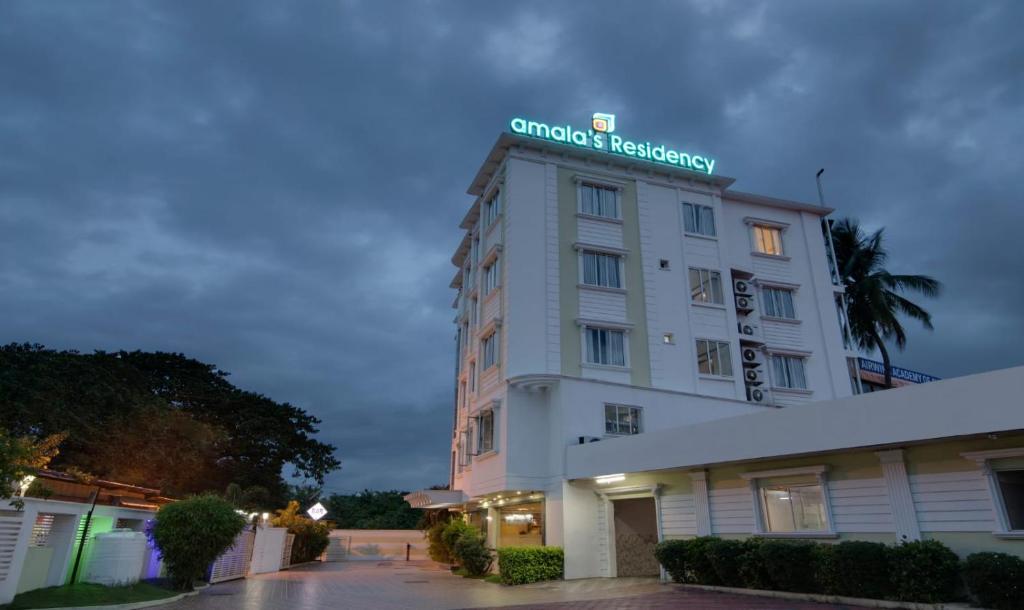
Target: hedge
x=924, y=571
x=921, y=571
x=521, y=565
x=996, y=579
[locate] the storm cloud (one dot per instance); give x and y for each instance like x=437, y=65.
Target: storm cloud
x=276, y=187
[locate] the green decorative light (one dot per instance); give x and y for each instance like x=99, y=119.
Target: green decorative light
x=605, y=141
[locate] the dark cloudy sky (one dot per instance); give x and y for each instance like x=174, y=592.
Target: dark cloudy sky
x=276, y=187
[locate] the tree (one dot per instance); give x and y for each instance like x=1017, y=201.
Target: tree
x=373, y=510
x=21, y=457
x=154, y=406
x=874, y=296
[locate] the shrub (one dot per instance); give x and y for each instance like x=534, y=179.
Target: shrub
x=699, y=568
x=454, y=530
x=473, y=555
x=923, y=571
x=671, y=554
x=996, y=579
x=861, y=570
x=788, y=565
x=751, y=565
x=823, y=564
x=192, y=533
x=435, y=543
x=725, y=556
x=311, y=537
x=521, y=565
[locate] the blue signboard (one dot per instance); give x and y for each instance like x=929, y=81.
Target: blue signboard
x=873, y=366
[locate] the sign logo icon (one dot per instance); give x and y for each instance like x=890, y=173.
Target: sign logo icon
x=317, y=511
x=605, y=123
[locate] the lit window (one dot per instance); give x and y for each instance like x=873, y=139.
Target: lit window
x=768, y=240
x=490, y=350
x=793, y=508
x=778, y=303
x=788, y=372
x=492, y=209
x=602, y=270
x=714, y=358
x=599, y=201
x=621, y=420
x=1011, y=489
x=699, y=219
x=485, y=432
x=491, y=277
x=605, y=346
x=706, y=286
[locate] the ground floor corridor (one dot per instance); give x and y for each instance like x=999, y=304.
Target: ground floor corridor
x=424, y=585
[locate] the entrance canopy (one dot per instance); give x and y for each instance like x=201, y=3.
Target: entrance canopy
x=436, y=498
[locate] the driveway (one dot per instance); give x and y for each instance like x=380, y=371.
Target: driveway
x=400, y=585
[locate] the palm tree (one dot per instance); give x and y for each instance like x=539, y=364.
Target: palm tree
x=873, y=295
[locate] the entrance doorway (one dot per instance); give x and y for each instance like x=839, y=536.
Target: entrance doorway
x=636, y=534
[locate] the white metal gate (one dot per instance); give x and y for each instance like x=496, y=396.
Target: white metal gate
x=286, y=552
x=234, y=563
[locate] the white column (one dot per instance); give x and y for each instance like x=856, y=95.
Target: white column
x=700, y=502
x=894, y=470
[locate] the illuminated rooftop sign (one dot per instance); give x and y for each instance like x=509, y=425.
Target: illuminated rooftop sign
x=600, y=137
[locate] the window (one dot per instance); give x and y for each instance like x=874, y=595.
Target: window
x=793, y=507
x=713, y=358
x=605, y=346
x=699, y=219
x=490, y=350
x=491, y=277
x=601, y=269
x=521, y=525
x=485, y=432
x=492, y=209
x=599, y=201
x=706, y=286
x=768, y=240
x=472, y=376
x=778, y=303
x=1011, y=488
x=788, y=372
x=621, y=420
x=472, y=311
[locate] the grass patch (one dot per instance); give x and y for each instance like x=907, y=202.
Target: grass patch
x=495, y=578
x=88, y=594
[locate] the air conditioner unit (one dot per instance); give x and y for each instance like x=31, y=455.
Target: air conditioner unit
x=744, y=303
x=749, y=356
x=753, y=376
x=745, y=329
x=741, y=287
x=756, y=395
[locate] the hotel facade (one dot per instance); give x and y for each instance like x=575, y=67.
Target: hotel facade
x=603, y=299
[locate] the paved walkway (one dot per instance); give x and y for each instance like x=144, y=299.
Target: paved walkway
x=424, y=585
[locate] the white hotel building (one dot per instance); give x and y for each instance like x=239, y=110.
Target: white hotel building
x=602, y=299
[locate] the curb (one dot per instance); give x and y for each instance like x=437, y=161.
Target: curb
x=832, y=599
x=134, y=605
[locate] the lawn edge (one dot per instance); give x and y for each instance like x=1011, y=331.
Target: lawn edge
x=135, y=605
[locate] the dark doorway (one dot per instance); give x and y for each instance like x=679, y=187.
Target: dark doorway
x=636, y=533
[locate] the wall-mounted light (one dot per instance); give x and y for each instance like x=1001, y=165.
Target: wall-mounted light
x=609, y=478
